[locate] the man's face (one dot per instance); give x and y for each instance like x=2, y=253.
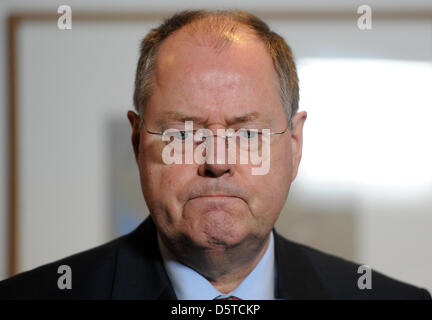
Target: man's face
x=215, y=205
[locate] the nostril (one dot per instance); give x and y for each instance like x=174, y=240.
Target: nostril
x=215, y=172
x=209, y=173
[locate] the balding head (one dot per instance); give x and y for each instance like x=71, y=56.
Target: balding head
x=217, y=30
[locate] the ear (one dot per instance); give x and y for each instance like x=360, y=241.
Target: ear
x=135, y=122
x=298, y=121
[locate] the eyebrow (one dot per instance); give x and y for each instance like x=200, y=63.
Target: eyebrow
x=248, y=117
x=179, y=116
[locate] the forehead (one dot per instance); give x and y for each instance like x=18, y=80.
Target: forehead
x=199, y=77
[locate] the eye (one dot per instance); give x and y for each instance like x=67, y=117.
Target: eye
x=248, y=134
x=182, y=135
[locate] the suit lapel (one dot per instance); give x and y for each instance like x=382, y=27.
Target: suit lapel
x=296, y=277
x=139, y=270
x=140, y=273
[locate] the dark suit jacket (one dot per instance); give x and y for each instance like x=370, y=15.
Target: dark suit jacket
x=131, y=267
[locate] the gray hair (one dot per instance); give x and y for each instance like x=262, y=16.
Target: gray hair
x=223, y=26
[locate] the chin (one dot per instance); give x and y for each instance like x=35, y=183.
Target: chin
x=219, y=229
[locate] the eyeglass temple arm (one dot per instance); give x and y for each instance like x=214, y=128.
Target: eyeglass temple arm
x=217, y=135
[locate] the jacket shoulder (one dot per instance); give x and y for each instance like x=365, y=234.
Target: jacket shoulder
x=340, y=277
x=92, y=273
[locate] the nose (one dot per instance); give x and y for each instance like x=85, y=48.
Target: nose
x=214, y=170
x=216, y=159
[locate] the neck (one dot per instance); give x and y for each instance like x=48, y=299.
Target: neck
x=224, y=267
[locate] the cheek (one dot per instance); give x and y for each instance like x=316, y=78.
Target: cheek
x=282, y=163
x=162, y=185
x=156, y=176
x=271, y=189
x=172, y=178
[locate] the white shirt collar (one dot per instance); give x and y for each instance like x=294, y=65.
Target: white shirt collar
x=190, y=285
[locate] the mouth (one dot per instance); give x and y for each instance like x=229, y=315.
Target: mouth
x=214, y=196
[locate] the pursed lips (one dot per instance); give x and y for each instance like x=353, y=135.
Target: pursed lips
x=217, y=195
x=215, y=199
x=214, y=196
